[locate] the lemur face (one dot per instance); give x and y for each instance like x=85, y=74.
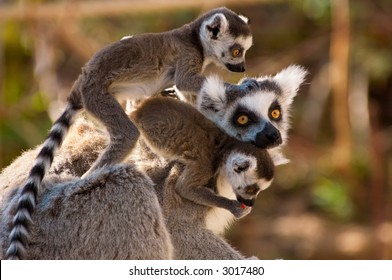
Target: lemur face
x=247, y=175
x=230, y=52
x=260, y=116
x=226, y=39
x=257, y=119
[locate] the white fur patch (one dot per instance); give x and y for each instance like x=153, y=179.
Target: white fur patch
x=244, y=178
x=126, y=37
x=212, y=93
x=214, y=88
x=290, y=79
x=264, y=184
x=245, y=41
x=218, y=219
x=244, y=18
x=259, y=103
x=277, y=156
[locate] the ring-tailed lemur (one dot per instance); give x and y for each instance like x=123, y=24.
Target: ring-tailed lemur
x=83, y=146
x=136, y=66
x=258, y=116
x=178, y=131
x=112, y=214
x=245, y=117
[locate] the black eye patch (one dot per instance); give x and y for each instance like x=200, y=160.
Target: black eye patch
x=243, y=112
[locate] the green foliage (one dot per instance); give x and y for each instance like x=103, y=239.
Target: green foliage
x=24, y=120
x=316, y=9
x=331, y=195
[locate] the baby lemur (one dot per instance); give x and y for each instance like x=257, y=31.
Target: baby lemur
x=177, y=131
x=134, y=67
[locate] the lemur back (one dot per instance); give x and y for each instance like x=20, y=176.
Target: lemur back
x=177, y=131
x=136, y=66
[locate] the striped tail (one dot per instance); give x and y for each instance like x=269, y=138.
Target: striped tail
x=20, y=235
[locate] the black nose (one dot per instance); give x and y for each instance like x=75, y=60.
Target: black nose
x=240, y=67
x=269, y=137
x=252, y=189
x=274, y=137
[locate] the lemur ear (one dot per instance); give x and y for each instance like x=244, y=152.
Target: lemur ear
x=244, y=18
x=289, y=80
x=212, y=98
x=216, y=25
x=277, y=156
x=240, y=165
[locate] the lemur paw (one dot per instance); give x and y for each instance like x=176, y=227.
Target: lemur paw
x=248, y=85
x=239, y=210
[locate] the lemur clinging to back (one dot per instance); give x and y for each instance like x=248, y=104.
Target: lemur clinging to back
x=266, y=106
x=177, y=131
x=84, y=145
x=134, y=67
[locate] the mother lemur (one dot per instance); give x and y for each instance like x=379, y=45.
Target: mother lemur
x=97, y=217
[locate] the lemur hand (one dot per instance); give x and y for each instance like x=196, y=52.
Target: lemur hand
x=246, y=86
x=239, y=210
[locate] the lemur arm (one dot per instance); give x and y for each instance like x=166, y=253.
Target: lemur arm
x=188, y=76
x=192, y=185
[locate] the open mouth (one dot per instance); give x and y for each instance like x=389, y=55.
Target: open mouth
x=247, y=202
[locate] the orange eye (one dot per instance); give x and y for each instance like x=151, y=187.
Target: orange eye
x=235, y=52
x=243, y=119
x=275, y=114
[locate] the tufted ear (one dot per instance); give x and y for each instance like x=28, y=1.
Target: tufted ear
x=244, y=18
x=277, y=156
x=212, y=99
x=240, y=165
x=289, y=80
x=216, y=25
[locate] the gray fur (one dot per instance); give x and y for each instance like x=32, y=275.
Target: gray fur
x=186, y=222
x=66, y=228
x=113, y=214
x=81, y=149
x=135, y=67
x=177, y=131
x=63, y=193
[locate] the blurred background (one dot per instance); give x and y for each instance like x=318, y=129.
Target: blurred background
x=334, y=199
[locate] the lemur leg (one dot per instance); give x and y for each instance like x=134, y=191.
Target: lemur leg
x=193, y=185
x=123, y=133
